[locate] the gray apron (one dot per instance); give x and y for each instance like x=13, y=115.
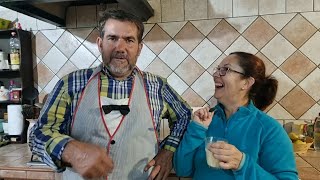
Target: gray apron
x=135, y=137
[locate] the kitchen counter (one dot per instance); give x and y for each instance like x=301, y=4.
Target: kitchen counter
x=14, y=158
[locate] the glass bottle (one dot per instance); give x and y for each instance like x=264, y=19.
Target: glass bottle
x=316, y=134
x=14, y=43
x=11, y=88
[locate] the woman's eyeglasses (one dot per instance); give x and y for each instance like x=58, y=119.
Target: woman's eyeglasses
x=223, y=71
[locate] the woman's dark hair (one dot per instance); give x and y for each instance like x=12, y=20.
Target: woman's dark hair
x=264, y=90
x=121, y=15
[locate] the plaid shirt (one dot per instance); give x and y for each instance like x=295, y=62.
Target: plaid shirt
x=52, y=131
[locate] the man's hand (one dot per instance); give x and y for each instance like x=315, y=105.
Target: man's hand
x=89, y=160
x=162, y=165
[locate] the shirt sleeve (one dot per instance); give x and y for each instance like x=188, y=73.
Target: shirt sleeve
x=48, y=136
x=179, y=117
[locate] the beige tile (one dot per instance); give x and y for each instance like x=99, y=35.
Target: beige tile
x=87, y=16
x=212, y=102
x=272, y=6
x=205, y=26
x=67, y=68
x=241, y=23
x=44, y=25
x=54, y=59
x=215, y=64
x=313, y=18
x=145, y=58
x=278, y=21
x=311, y=84
x=42, y=75
x=95, y=64
x=316, y=5
x=53, y=35
x=147, y=28
x=172, y=28
x=90, y=43
x=82, y=58
x=308, y=173
x=241, y=44
x=204, y=86
x=177, y=83
x=183, y=70
x=192, y=98
x=71, y=17
x=173, y=55
x=259, y=33
x=299, y=6
x=270, y=67
x=81, y=33
x=278, y=50
x=311, y=113
x=297, y=67
x=27, y=23
x=156, y=6
x=41, y=45
x=223, y=35
x=245, y=7
x=270, y=106
x=189, y=37
x=298, y=31
x=49, y=87
x=172, y=10
x=311, y=48
x=301, y=162
x=219, y=9
x=67, y=44
x=156, y=39
x=206, y=53
x=297, y=102
x=200, y=13
x=158, y=67
x=278, y=112
x=285, y=84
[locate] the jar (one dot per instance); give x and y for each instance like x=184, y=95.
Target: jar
x=4, y=63
x=4, y=94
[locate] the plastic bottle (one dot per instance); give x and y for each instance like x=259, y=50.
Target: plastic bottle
x=14, y=43
x=316, y=134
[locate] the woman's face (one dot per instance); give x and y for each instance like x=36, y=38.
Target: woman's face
x=230, y=86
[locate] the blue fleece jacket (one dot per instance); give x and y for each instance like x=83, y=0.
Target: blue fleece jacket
x=267, y=147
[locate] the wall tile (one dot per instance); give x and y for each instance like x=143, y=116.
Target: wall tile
x=145, y=58
x=53, y=35
x=172, y=28
x=172, y=10
x=42, y=75
x=81, y=33
x=41, y=45
x=49, y=87
x=299, y=5
x=195, y=9
x=189, y=37
x=90, y=42
x=270, y=67
x=206, y=53
x=278, y=21
x=54, y=59
x=311, y=48
x=177, y=83
x=173, y=55
x=44, y=25
x=316, y=5
x=223, y=35
x=241, y=23
x=245, y=7
x=313, y=18
x=67, y=44
x=183, y=70
x=192, y=98
x=156, y=6
x=285, y=84
x=205, y=26
x=204, y=86
x=219, y=9
x=312, y=112
x=156, y=39
x=67, y=68
x=147, y=28
x=27, y=23
x=259, y=33
x=210, y=69
x=311, y=84
x=82, y=58
x=241, y=44
x=278, y=112
x=8, y=14
x=272, y=6
x=159, y=67
x=71, y=17
x=298, y=31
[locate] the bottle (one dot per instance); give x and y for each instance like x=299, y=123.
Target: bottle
x=316, y=133
x=11, y=90
x=14, y=43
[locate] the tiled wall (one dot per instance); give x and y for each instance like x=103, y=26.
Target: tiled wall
x=187, y=38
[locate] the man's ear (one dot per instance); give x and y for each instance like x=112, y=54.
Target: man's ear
x=140, y=48
x=248, y=83
x=99, y=43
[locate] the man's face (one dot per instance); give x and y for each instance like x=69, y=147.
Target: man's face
x=119, y=47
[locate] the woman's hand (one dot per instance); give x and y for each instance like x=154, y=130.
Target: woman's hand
x=203, y=116
x=228, y=155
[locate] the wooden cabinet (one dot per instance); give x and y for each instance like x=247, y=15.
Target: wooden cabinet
x=22, y=77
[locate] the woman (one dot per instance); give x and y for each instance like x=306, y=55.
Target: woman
x=257, y=146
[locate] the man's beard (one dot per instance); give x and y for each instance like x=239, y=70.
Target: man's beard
x=115, y=69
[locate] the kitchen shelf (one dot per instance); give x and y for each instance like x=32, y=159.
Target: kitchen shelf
x=9, y=73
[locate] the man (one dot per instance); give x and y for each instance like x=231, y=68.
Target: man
x=106, y=121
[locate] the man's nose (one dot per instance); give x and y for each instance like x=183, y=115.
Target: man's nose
x=121, y=45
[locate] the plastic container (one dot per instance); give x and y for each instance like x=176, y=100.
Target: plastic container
x=4, y=94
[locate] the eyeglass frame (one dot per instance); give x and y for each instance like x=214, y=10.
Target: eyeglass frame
x=218, y=69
